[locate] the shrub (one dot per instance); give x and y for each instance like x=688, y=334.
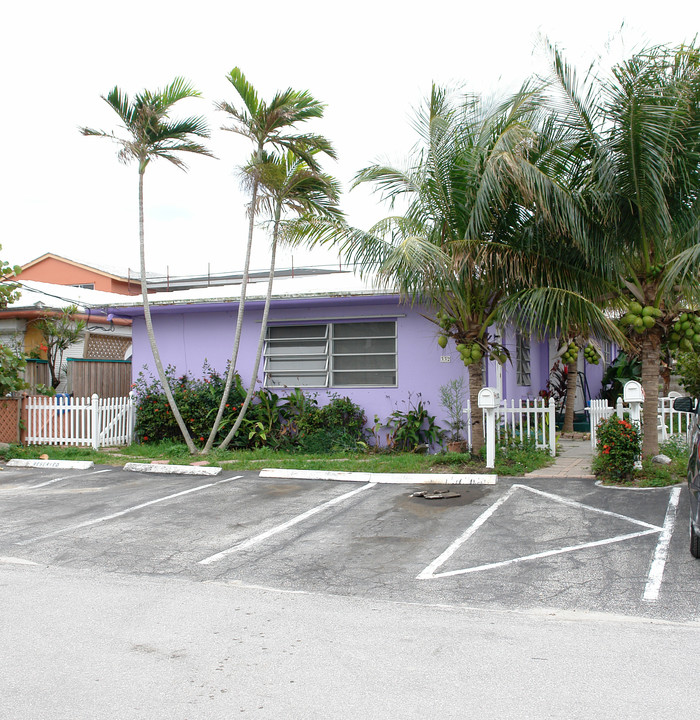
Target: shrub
x=292, y=423
x=198, y=401
x=339, y=425
x=618, y=445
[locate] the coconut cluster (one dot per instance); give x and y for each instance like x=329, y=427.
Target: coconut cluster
x=641, y=318
x=570, y=355
x=471, y=352
x=591, y=354
x=685, y=334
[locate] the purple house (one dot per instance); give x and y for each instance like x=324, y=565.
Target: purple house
x=333, y=334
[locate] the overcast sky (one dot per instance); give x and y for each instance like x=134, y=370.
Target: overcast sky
x=370, y=62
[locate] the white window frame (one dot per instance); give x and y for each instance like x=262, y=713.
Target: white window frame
x=329, y=354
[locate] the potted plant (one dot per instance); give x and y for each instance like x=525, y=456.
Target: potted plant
x=453, y=398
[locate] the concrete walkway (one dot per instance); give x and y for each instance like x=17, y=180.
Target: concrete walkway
x=573, y=460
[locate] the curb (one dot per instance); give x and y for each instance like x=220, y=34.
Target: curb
x=392, y=478
x=172, y=469
x=64, y=464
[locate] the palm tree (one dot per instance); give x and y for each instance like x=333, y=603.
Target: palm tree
x=284, y=183
x=266, y=125
x=151, y=134
x=473, y=233
x=636, y=139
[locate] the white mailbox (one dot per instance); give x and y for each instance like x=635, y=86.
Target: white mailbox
x=489, y=398
x=633, y=392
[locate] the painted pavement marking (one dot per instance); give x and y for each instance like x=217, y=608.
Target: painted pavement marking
x=15, y=561
x=656, y=571
x=284, y=526
x=58, y=479
x=105, y=518
x=430, y=572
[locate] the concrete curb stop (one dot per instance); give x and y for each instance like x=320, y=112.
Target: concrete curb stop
x=395, y=478
x=62, y=464
x=172, y=469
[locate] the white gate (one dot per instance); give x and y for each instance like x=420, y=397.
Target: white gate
x=80, y=421
x=527, y=420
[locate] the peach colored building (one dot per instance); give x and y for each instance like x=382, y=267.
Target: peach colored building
x=50, y=268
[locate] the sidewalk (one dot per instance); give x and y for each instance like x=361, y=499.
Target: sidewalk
x=573, y=460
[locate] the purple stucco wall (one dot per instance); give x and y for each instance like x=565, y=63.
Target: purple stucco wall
x=190, y=335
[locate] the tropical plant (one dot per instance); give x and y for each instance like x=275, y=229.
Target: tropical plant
x=59, y=331
x=469, y=238
x=620, y=371
x=284, y=184
x=149, y=135
x=267, y=126
x=635, y=167
x=413, y=427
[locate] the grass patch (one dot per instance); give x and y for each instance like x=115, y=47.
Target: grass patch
x=657, y=475
x=509, y=461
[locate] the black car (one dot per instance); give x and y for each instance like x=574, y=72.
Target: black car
x=686, y=404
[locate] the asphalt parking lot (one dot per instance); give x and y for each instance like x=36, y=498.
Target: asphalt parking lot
x=540, y=545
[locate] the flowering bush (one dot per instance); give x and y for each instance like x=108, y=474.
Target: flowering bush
x=619, y=445
x=198, y=400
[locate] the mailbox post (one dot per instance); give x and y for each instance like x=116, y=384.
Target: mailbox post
x=489, y=400
x=633, y=395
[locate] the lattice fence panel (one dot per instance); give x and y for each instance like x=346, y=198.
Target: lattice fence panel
x=9, y=420
x=106, y=347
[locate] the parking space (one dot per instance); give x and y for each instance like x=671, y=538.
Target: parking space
x=547, y=544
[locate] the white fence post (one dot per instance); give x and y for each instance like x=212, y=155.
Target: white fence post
x=132, y=419
x=95, y=421
x=552, y=429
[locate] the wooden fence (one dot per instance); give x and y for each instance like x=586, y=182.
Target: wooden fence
x=64, y=420
x=9, y=419
x=106, y=378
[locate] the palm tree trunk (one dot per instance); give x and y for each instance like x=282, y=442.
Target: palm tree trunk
x=651, y=344
x=476, y=382
x=149, y=329
x=261, y=338
x=571, y=382
x=239, y=326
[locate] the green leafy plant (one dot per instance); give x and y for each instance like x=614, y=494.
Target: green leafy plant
x=12, y=364
x=413, y=427
x=619, y=446
x=688, y=370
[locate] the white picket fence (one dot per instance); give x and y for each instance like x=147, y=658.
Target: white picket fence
x=671, y=423
x=528, y=420
x=522, y=420
x=94, y=421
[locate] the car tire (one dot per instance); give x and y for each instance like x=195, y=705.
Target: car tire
x=694, y=542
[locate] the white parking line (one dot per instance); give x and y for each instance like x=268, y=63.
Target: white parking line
x=58, y=479
x=430, y=571
x=656, y=572
x=105, y=518
x=281, y=528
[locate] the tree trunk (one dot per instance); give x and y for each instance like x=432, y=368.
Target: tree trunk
x=239, y=324
x=261, y=338
x=571, y=383
x=149, y=329
x=651, y=344
x=476, y=382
